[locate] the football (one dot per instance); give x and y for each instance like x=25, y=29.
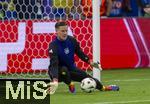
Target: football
x=88, y=85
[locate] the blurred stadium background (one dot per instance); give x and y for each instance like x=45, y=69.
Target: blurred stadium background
x=27, y=28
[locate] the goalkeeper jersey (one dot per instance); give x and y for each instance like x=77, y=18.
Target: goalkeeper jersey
x=62, y=54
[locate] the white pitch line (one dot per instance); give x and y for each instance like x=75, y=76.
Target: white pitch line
x=120, y=80
x=127, y=80
x=122, y=102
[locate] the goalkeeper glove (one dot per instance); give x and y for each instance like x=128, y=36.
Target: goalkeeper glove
x=52, y=87
x=96, y=65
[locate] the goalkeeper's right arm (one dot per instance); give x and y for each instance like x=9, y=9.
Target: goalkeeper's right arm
x=53, y=69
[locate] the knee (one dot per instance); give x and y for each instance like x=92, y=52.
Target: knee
x=64, y=70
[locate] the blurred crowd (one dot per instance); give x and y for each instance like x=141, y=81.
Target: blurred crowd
x=71, y=9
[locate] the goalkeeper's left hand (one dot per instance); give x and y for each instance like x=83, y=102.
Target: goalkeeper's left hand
x=96, y=65
x=52, y=87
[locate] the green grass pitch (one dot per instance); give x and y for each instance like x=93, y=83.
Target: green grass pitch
x=134, y=89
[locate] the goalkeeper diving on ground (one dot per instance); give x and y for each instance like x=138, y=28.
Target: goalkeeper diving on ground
x=62, y=67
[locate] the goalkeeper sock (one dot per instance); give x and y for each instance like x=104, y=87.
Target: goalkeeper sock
x=72, y=88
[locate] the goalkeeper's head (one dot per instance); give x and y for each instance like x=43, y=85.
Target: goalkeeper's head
x=61, y=30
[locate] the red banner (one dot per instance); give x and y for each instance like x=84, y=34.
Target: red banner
x=124, y=43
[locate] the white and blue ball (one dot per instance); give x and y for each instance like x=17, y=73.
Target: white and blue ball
x=88, y=85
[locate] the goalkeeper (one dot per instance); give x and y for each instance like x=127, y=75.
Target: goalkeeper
x=62, y=67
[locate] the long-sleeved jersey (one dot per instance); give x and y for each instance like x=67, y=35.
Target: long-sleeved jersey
x=62, y=54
